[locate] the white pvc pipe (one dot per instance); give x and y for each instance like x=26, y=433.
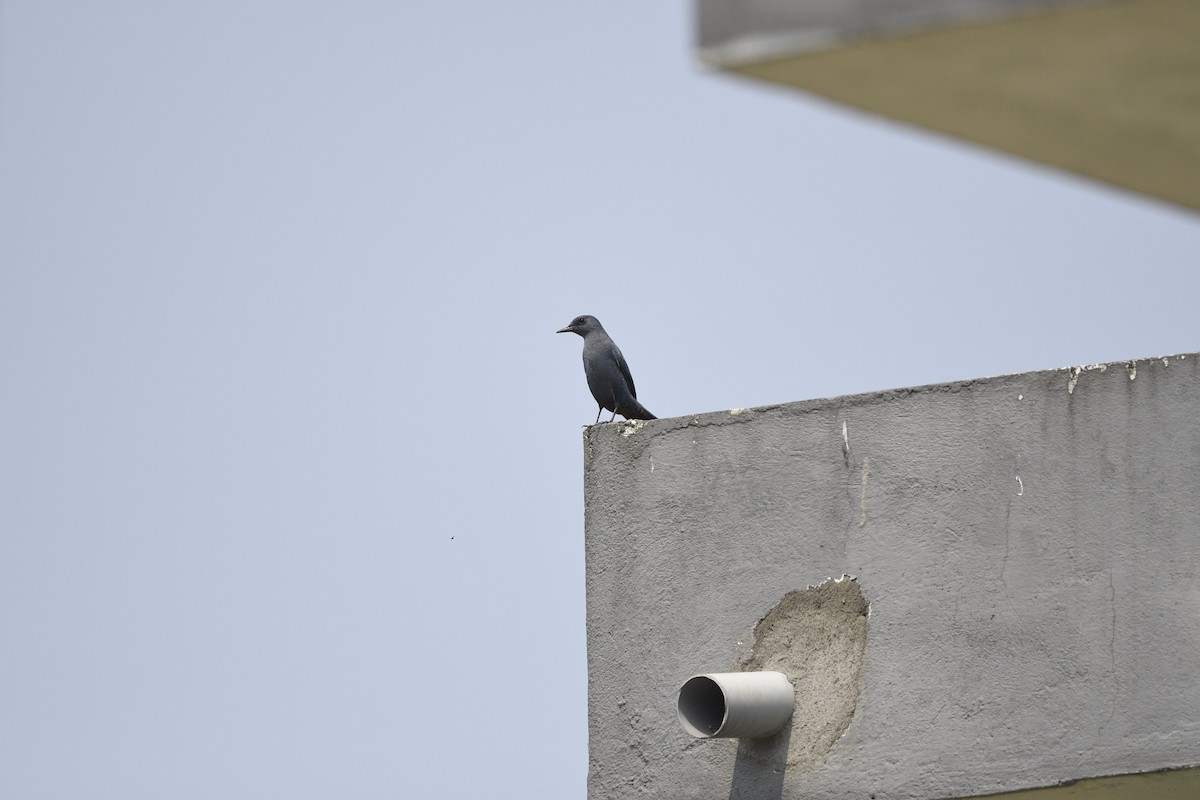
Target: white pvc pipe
x=729, y=704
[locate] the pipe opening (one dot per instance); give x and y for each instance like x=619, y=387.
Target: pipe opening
x=702, y=706
x=733, y=704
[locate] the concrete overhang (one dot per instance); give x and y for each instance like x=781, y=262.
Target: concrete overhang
x=1107, y=90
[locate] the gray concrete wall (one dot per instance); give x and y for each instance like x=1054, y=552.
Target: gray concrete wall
x=1028, y=545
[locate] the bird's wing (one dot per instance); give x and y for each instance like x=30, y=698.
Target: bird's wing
x=621, y=365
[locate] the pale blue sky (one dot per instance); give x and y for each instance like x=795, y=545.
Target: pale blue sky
x=290, y=453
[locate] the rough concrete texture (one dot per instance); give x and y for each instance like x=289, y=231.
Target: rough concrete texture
x=1029, y=546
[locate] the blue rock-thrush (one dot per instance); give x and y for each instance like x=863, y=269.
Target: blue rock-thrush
x=607, y=373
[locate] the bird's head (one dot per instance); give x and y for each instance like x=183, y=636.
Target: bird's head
x=582, y=325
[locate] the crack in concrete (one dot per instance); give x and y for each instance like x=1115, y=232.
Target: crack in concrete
x=862, y=502
x=1112, y=646
x=850, y=498
x=1007, y=540
x=845, y=444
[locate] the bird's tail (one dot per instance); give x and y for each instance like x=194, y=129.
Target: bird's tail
x=636, y=411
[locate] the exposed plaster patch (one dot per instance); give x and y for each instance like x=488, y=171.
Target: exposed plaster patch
x=1075, y=372
x=631, y=426
x=818, y=638
x=733, y=412
x=1131, y=367
x=1020, y=486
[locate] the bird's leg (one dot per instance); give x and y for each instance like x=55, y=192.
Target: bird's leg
x=613, y=418
x=599, y=411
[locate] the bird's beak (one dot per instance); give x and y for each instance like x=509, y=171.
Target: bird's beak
x=564, y=330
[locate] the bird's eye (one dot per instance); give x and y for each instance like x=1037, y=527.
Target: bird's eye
x=578, y=321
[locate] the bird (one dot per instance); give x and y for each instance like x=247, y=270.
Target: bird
x=607, y=373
